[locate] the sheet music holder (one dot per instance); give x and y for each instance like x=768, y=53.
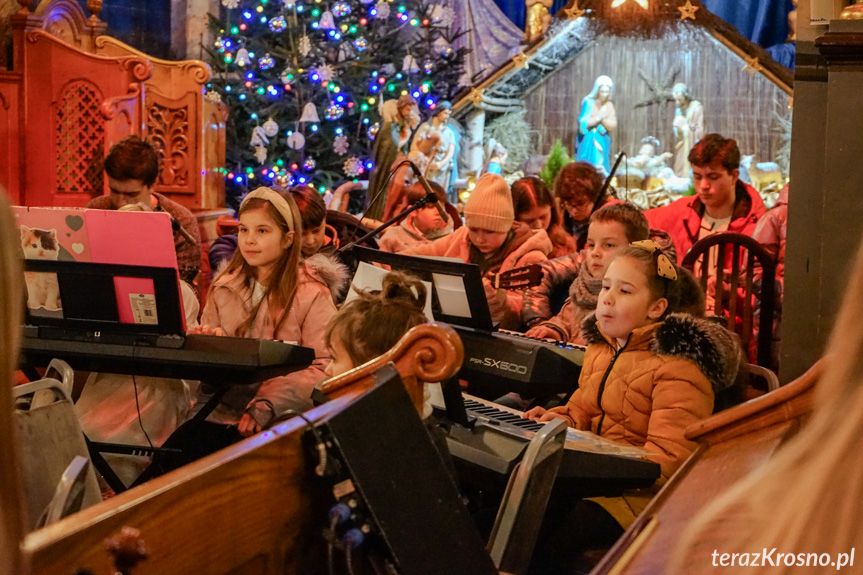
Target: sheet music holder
x=93, y=302
x=443, y=276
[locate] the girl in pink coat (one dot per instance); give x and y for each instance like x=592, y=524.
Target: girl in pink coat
x=267, y=292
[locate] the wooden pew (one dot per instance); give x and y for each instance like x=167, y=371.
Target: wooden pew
x=248, y=509
x=732, y=444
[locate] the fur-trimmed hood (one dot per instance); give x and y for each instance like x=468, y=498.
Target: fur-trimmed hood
x=330, y=271
x=715, y=350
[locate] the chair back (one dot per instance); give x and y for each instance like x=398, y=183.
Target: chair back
x=736, y=260
x=49, y=439
x=519, y=517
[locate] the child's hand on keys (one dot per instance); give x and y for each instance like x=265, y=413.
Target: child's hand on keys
x=205, y=330
x=542, y=415
x=542, y=332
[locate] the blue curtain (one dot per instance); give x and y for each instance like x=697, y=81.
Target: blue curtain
x=515, y=11
x=765, y=22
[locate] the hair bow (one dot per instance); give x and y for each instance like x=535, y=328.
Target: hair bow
x=664, y=267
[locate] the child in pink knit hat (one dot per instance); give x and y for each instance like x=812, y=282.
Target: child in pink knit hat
x=494, y=241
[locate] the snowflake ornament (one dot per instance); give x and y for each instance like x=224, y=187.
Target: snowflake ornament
x=340, y=145
x=230, y=4
x=213, y=96
x=326, y=72
x=305, y=46
x=353, y=166
x=382, y=9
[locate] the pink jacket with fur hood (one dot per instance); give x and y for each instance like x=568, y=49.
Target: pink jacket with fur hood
x=505, y=305
x=229, y=305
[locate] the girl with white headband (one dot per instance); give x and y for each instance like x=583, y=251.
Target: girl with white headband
x=267, y=291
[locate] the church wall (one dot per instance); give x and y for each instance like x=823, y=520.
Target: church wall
x=736, y=104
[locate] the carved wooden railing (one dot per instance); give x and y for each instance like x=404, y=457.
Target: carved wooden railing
x=73, y=93
x=731, y=445
x=246, y=509
x=187, y=127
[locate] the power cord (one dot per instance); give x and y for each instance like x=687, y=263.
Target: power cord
x=320, y=444
x=138, y=408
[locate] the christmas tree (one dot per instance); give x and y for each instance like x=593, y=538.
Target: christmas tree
x=304, y=81
x=558, y=157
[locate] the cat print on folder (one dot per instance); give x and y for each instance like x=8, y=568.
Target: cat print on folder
x=42, y=287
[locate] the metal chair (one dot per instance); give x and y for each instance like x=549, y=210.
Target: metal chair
x=519, y=517
x=54, y=458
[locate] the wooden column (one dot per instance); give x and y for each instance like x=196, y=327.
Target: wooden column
x=825, y=216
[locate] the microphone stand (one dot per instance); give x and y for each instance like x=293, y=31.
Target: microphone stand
x=429, y=199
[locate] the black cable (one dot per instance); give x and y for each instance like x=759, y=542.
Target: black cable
x=140, y=421
x=321, y=446
x=331, y=546
x=349, y=559
x=384, y=187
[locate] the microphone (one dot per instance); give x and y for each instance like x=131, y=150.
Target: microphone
x=431, y=196
x=611, y=175
x=178, y=228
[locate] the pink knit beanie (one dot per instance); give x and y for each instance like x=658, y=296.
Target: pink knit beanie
x=489, y=206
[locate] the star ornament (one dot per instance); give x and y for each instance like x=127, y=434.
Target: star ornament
x=687, y=10
x=573, y=11
x=618, y=3
x=520, y=60
x=752, y=66
x=476, y=96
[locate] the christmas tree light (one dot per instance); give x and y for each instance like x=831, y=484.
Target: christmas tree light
x=273, y=59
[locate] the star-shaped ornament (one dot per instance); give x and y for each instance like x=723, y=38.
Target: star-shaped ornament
x=752, y=66
x=687, y=10
x=520, y=60
x=573, y=11
x=476, y=96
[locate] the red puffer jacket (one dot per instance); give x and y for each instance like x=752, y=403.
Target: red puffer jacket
x=682, y=218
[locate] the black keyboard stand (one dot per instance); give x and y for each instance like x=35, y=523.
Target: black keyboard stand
x=97, y=448
x=455, y=410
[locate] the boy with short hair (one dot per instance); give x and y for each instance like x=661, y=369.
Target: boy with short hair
x=417, y=229
x=132, y=167
x=612, y=228
x=722, y=203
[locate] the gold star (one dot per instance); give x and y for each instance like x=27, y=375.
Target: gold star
x=476, y=96
x=687, y=10
x=520, y=60
x=617, y=3
x=751, y=66
x=574, y=11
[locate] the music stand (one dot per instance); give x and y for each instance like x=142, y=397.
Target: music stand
x=92, y=304
x=478, y=318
